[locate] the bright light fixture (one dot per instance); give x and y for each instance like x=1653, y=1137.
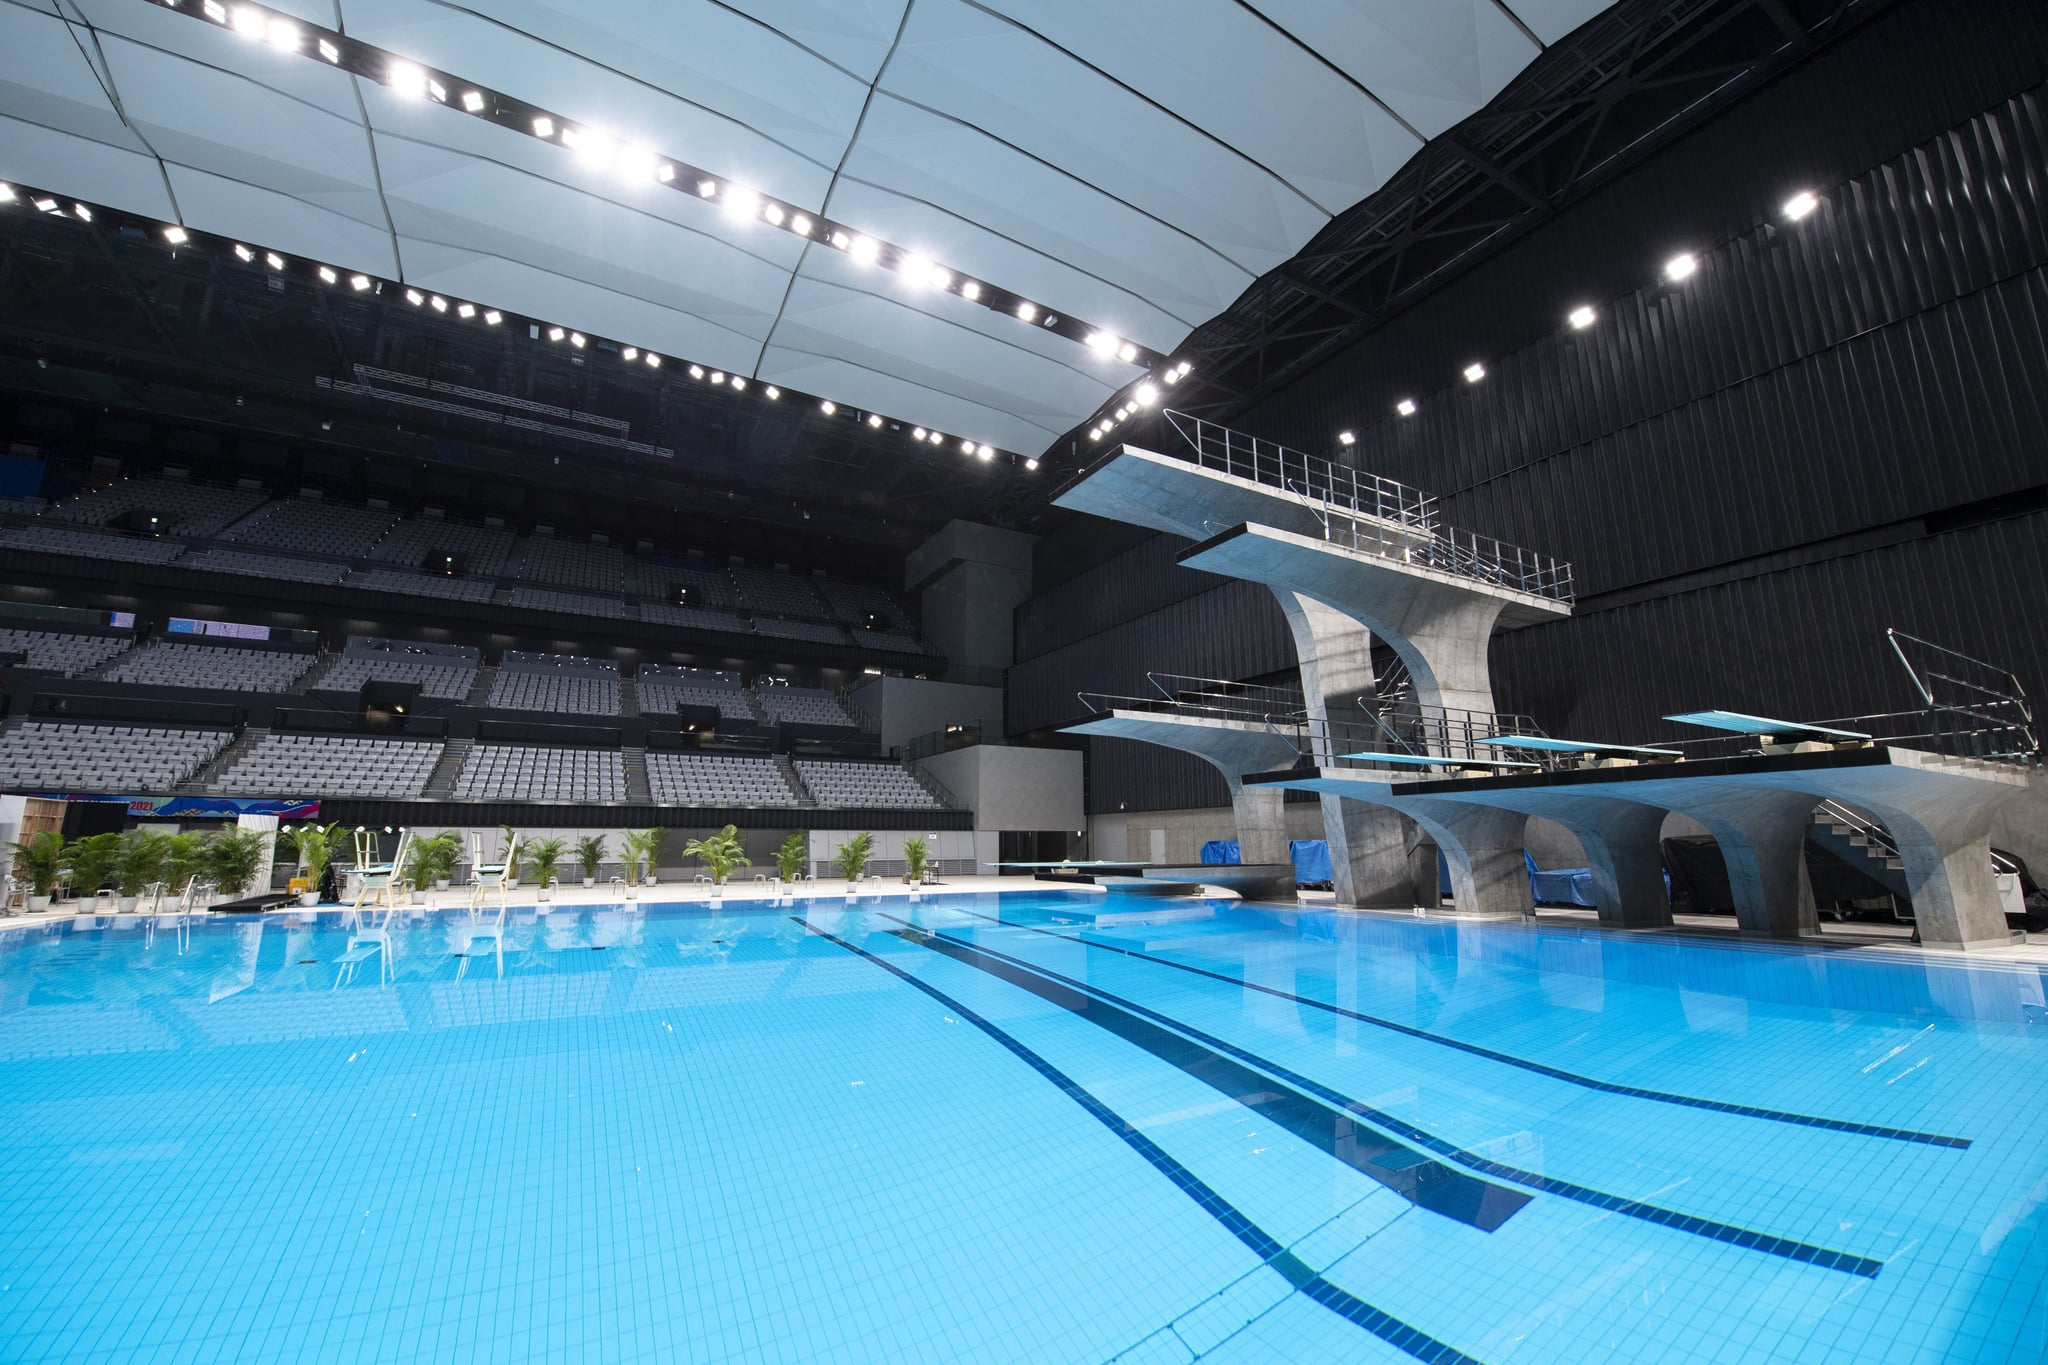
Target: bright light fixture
x=1028, y=311
x=828, y=407
x=1095, y=433
x=707, y=189
x=543, y=126
x=241, y=251
x=1474, y=372
x=472, y=100
x=1801, y=204
x=970, y=291
x=653, y=360
x=839, y=240
x=275, y=261
x=1406, y=407
x=741, y=203
x=739, y=385
x=438, y=91
x=1127, y=353
x=631, y=353
x=966, y=446
x=696, y=372
x=407, y=79
x=283, y=35
x=576, y=340
x=985, y=452
x=329, y=51
x=718, y=376
x=1681, y=266
x=493, y=317
x=772, y=392
x=439, y=304
x=415, y=297
x=875, y=420
x=173, y=234
x=863, y=250
x=6, y=193
x=46, y=204
x=800, y=225
x=1102, y=343
x=215, y=12
x=772, y=214
x=1146, y=394
x=465, y=310
x=917, y=433
x=1031, y=464
x=665, y=173
x=557, y=333
x=327, y=275
x=359, y=282
x=249, y=21
x=1347, y=438
x=1581, y=317
x=84, y=213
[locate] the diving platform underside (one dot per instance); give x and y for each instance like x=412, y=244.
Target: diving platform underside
x=1232, y=747
x=1938, y=810
x=1143, y=488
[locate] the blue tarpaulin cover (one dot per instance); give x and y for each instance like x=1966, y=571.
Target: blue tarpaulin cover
x=1311, y=859
x=1218, y=851
x=1562, y=886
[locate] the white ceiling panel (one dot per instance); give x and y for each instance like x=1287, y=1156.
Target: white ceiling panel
x=974, y=66
x=1292, y=114
x=1131, y=166
x=1433, y=62
x=503, y=59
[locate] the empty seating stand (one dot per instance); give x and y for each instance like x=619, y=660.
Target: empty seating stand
x=220, y=668
x=55, y=651
x=479, y=550
x=888, y=785
x=314, y=527
x=333, y=765
x=573, y=564
x=183, y=509
x=115, y=759
x=251, y=564
x=663, y=690
x=699, y=779
x=437, y=676
x=560, y=683
x=532, y=772
x=423, y=584
x=804, y=706
x=68, y=540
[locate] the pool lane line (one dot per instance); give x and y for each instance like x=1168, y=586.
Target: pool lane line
x=1414, y=1175
x=1734, y=1235
x=1635, y=1092
x=1382, y=1324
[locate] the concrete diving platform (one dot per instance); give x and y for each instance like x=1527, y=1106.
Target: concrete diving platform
x=1938, y=810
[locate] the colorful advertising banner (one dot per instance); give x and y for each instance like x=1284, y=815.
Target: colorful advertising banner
x=198, y=807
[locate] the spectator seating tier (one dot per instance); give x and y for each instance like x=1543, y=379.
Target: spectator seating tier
x=778, y=594
x=63, y=540
x=864, y=784
x=221, y=668
x=59, y=652
x=449, y=679
x=283, y=567
x=572, y=603
x=804, y=706
x=522, y=772
x=661, y=694
x=423, y=584
x=334, y=765
x=187, y=509
x=572, y=564
x=699, y=779
x=116, y=759
x=582, y=694
x=483, y=550
x=316, y=527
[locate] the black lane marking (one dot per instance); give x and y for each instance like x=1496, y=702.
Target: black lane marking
x=1635, y=1092
x=1415, y=1176
x=1382, y=1324
x=1785, y=1247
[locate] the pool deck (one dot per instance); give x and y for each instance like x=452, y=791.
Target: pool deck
x=1850, y=935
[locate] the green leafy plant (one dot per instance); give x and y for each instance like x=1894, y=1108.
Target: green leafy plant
x=543, y=858
x=917, y=855
x=184, y=857
x=719, y=853
x=590, y=853
x=640, y=849
x=233, y=858
x=314, y=846
x=431, y=857
x=791, y=856
x=92, y=861
x=38, y=859
x=140, y=863
x=852, y=856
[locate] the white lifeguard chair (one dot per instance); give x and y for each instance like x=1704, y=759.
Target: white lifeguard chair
x=378, y=883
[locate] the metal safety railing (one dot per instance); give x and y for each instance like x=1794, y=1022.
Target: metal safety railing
x=1206, y=698
x=1419, y=739
x=1369, y=514
x=1975, y=709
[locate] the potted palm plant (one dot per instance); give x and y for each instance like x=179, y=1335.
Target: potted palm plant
x=184, y=857
x=431, y=859
x=140, y=863
x=232, y=857
x=852, y=857
x=543, y=860
x=315, y=847
x=37, y=860
x=719, y=854
x=590, y=852
x=791, y=855
x=92, y=861
x=917, y=855
x=641, y=849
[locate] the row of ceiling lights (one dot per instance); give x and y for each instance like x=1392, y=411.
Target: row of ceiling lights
x=639, y=164
x=1677, y=270
x=358, y=282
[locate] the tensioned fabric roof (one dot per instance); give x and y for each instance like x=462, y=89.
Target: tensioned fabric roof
x=1133, y=164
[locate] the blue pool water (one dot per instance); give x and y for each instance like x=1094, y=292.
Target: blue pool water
x=1009, y=1128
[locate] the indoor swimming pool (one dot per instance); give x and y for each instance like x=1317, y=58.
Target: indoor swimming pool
x=1022, y=1127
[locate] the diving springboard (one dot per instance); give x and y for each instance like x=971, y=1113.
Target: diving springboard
x=1738, y=722
x=1438, y=761
x=1571, y=746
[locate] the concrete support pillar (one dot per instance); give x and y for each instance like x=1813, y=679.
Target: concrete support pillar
x=1261, y=823
x=1483, y=845
x=1946, y=850
x=1762, y=834
x=1368, y=844
x=1625, y=855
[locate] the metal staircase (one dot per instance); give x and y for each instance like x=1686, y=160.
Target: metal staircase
x=441, y=783
x=214, y=769
x=1860, y=843
x=633, y=757
x=480, y=690
x=795, y=780
x=629, y=696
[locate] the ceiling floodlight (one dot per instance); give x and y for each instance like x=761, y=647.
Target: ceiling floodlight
x=327, y=275
x=653, y=360
x=696, y=372
x=438, y=91
x=1581, y=317
x=6, y=193
x=937, y=438
x=1127, y=353
x=800, y=225
x=828, y=407
x=1800, y=204
x=329, y=52
x=465, y=310
x=772, y=214
x=1027, y=311
x=917, y=433
x=576, y=340
x=1103, y=343
x=1146, y=394
x=1095, y=433
x=557, y=333
x=415, y=297
x=637, y=163
x=359, y=282
x=1681, y=266
x=840, y=241
x=772, y=392
x=591, y=145
x=631, y=353
x=240, y=251
x=707, y=189
x=1123, y=412
x=739, y=385
x=273, y=260
x=249, y=22
x=407, y=79
x=1474, y=372
x=863, y=250
x=283, y=35
x=718, y=376
x=84, y=213
x=970, y=291
x=543, y=126
x=493, y=317
x=985, y=452
x=665, y=173
x=741, y=203
x=215, y=12
x=1347, y=438
x=966, y=446
x=1406, y=407
x=1031, y=464
x=875, y=420
x=46, y=204
x=473, y=101
x=173, y=234
x=439, y=304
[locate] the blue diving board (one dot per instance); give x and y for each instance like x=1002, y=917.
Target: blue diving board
x=1570, y=746
x=1740, y=723
x=1436, y=761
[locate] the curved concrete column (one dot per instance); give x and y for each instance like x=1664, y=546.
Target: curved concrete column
x=1624, y=851
x=1762, y=834
x=1483, y=846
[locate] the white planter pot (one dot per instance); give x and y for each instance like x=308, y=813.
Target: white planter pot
x=126, y=904
x=309, y=898
x=38, y=904
x=590, y=881
x=440, y=883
